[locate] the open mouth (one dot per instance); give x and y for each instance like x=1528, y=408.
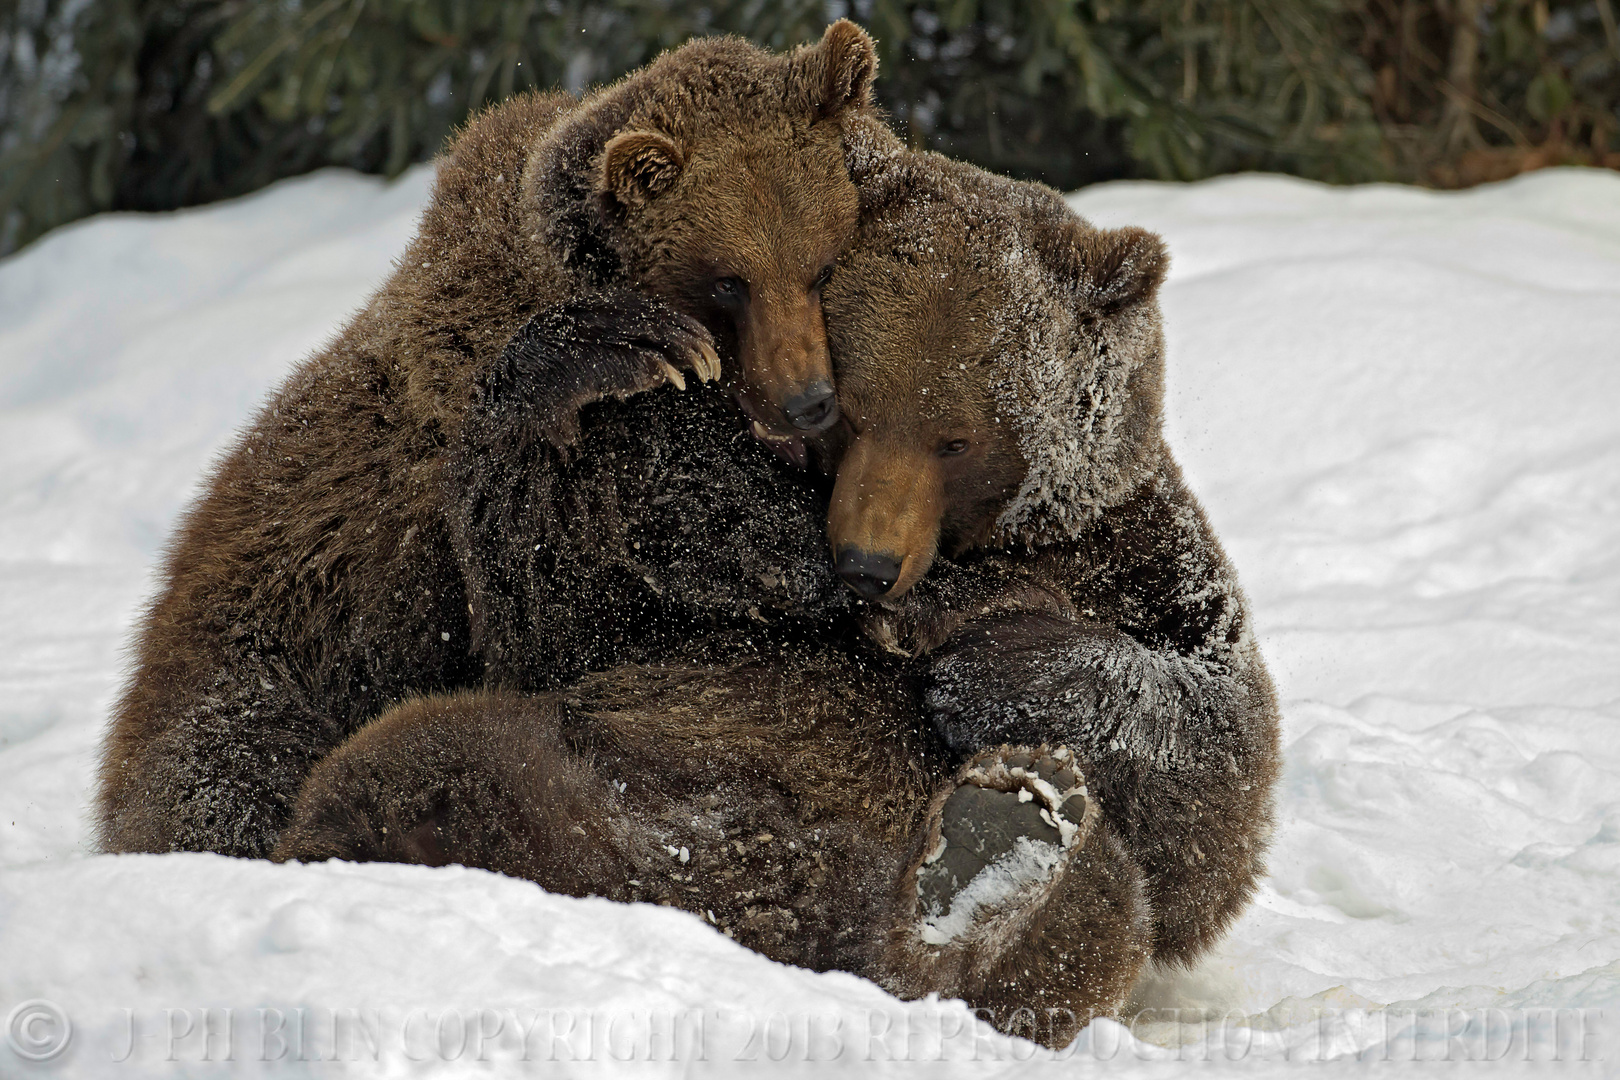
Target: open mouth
x=793, y=449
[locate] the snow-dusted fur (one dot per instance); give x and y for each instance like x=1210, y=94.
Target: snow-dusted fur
x=1051, y=305
x=1002, y=363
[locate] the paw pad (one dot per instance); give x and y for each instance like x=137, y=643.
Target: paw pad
x=1003, y=832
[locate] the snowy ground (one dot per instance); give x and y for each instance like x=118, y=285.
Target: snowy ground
x=1403, y=412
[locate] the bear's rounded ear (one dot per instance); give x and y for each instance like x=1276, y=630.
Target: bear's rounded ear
x=840, y=70
x=638, y=166
x=1113, y=268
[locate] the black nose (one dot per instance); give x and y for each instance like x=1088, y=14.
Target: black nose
x=868, y=574
x=814, y=410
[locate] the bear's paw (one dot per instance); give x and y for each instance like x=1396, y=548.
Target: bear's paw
x=1001, y=840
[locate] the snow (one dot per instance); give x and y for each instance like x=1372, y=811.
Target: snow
x=1402, y=411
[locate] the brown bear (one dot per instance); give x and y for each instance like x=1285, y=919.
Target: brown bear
x=1049, y=757
x=1006, y=411
x=574, y=250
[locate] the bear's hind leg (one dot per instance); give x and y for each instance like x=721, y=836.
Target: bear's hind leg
x=481, y=779
x=1020, y=900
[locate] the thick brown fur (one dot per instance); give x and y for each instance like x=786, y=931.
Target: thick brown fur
x=333, y=564
x=792, y=788
x=1000, y=363
x=1096, y=613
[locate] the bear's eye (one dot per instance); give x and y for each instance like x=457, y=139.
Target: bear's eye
x=822, y=278
x=730, y=290
x=954, y=447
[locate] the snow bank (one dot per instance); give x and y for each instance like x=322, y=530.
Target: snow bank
x=1402, y=410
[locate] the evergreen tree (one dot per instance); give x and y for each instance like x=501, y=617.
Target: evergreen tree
x=152, y=104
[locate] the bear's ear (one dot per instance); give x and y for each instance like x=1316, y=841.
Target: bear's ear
x=638, y=166
x=1113, y=268
x=840, y=70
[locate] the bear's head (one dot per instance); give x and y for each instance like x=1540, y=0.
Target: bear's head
x=719, y=184
x=999, y=366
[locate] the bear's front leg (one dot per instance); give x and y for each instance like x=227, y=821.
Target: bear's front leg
x=1019, y=900
x=613, y=344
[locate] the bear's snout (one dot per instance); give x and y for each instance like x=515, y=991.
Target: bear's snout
x=870, y=574
x=786, y=376
x=815, y=410
x=884, y=518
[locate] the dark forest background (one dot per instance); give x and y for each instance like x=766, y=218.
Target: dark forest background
x=155, y=104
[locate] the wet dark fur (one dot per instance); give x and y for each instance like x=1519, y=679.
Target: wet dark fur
x=330, y=569
x=664, y=532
